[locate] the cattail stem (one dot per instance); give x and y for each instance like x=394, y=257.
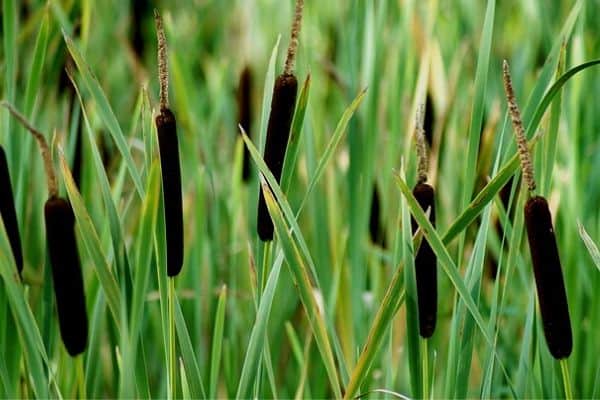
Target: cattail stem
x=295, y=32
x=564, y=369
x=425, y=367
x=515, y=116
x=163, y=70
x=45, y=150
x=422, y=159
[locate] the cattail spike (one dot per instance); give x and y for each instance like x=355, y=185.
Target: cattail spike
x=163, y=71
x=515, y=116
x=45, y=150
x=426, y=266
x=66, y=274
x=295, y=32
x=8, y=213
x=551, y=293
x=278, y=133
x=422, y=160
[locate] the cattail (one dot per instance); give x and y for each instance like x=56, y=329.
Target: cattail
x=62, y=249
x=426, y=266
x=8, y=213
x=376, y=229
x=138, y=11
x=66, y=274
x=552, y=296
x=168, y=147
x=425, y=260
x=244, y=103
x=280, y=121
x=429, y=119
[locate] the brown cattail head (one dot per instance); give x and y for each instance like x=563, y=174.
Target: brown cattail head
x=426, y=266
x=66, y=274
x=429, y=119
x=139, y=10
x=168, y=146
x=376, y=229
x=517, y=122
x=552, y=296
x=278, y=133
x=244, y=103
x=8, y=213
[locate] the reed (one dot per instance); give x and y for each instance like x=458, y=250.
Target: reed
x=280, y=121
x=62, y=250
x=425, y=260
x=168, y=146
x=551, y=293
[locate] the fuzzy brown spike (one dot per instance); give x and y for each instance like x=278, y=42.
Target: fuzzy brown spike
x=517, y=122
x=163, y=70
x=422, y=160
x=295, y=32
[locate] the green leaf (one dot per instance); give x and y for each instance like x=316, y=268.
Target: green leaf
x=299, y=271
x=447, y=264
x=590, y=245
x=28, y=333
x=257, y=336
x=215, y=360
x=89, y=236
x=336, y=138
x=293, y=146
x=508, y=170
x=189, y=362
x=105, y=111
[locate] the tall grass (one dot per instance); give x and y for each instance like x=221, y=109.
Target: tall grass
x=322, y=310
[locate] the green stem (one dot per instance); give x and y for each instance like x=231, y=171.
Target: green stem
x=566, y=379
x=425, y=366
x=80, y=377
x=171, y=317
